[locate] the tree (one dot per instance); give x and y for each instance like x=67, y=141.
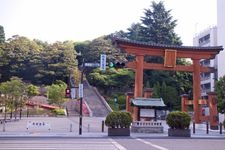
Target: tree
x=2, y=35
x=58, y=61
x=56, y=93
x=20, y=56
x=32, y=90
x=220, y=91
x=36, y=61
x=134, y=32
x=168, y=93
x=158, y=26
x=15, y=90
x=110, y=80
x=103, y=45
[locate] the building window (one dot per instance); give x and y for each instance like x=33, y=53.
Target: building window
x=204, y=39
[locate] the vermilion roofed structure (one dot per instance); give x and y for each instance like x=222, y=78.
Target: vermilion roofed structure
x=170, y=53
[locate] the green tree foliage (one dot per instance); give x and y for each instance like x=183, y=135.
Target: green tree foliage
x=134, y=32
x=2, y=35
x=158, y=25
x=112, y=80
x=58, y=61
x=32, y=90
x=20, y=58
x=36, y=61
x=56, y=93
x=91, y=51
x=15, y=93
x=220, y=91
x=83, y=49
x=168, y=93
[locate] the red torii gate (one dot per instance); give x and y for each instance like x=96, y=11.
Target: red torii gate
x=170, y=54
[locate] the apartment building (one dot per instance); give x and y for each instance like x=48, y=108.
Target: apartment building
x=207, y=37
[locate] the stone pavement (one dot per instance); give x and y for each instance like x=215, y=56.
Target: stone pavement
x=92, y=127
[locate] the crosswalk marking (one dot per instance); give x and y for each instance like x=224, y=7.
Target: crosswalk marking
x=117, y=145
x=151, y=144
x=107, y=144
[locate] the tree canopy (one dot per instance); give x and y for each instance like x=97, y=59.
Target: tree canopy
x=2, y=35
x=112, y=80
x=36, y=61
x=91, y=50
x=220, y=91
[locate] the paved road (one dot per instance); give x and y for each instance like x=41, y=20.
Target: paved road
x=110, y=144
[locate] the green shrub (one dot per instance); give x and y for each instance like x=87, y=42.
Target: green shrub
x=58, y=111
x=125, y=119
x=121, y=99
x=112, y=119
x=118, y=119
x=122, y=106
x=178, y=120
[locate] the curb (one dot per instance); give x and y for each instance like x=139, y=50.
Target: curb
x=103, y=135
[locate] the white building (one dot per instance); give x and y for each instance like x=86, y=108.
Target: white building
x=214, y=36
x=221, y=36
x=207, y=38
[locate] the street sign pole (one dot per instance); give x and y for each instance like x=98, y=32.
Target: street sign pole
x=102, y=67
x=81, y=99
x=81, y=104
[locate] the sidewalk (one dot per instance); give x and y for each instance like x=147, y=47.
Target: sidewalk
x=92, y=128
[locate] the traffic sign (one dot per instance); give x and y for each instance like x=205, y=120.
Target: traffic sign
x=91, y=64
x=73, y=93
x=103, y=62
x=81, y=91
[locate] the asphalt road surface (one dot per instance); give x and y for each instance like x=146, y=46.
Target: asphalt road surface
x=116, y=143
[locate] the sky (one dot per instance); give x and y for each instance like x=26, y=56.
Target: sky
x=80, y=20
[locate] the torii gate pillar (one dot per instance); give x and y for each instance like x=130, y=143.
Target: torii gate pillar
x=196, y=90
x=138, y=90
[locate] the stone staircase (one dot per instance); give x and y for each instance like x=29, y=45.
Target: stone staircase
x=71, y=107
x=95, y=102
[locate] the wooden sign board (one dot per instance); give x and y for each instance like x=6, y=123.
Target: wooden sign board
x=170, y=58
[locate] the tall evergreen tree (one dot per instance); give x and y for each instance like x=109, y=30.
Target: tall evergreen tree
x=158, y=26
x=134, y=32
x=2, y=34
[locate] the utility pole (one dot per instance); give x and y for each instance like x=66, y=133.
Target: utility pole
x=81, y=97
x=102, y=67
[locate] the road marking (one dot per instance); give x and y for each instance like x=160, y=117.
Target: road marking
x=60, y=148
x=151, y=144
x=117, y=145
